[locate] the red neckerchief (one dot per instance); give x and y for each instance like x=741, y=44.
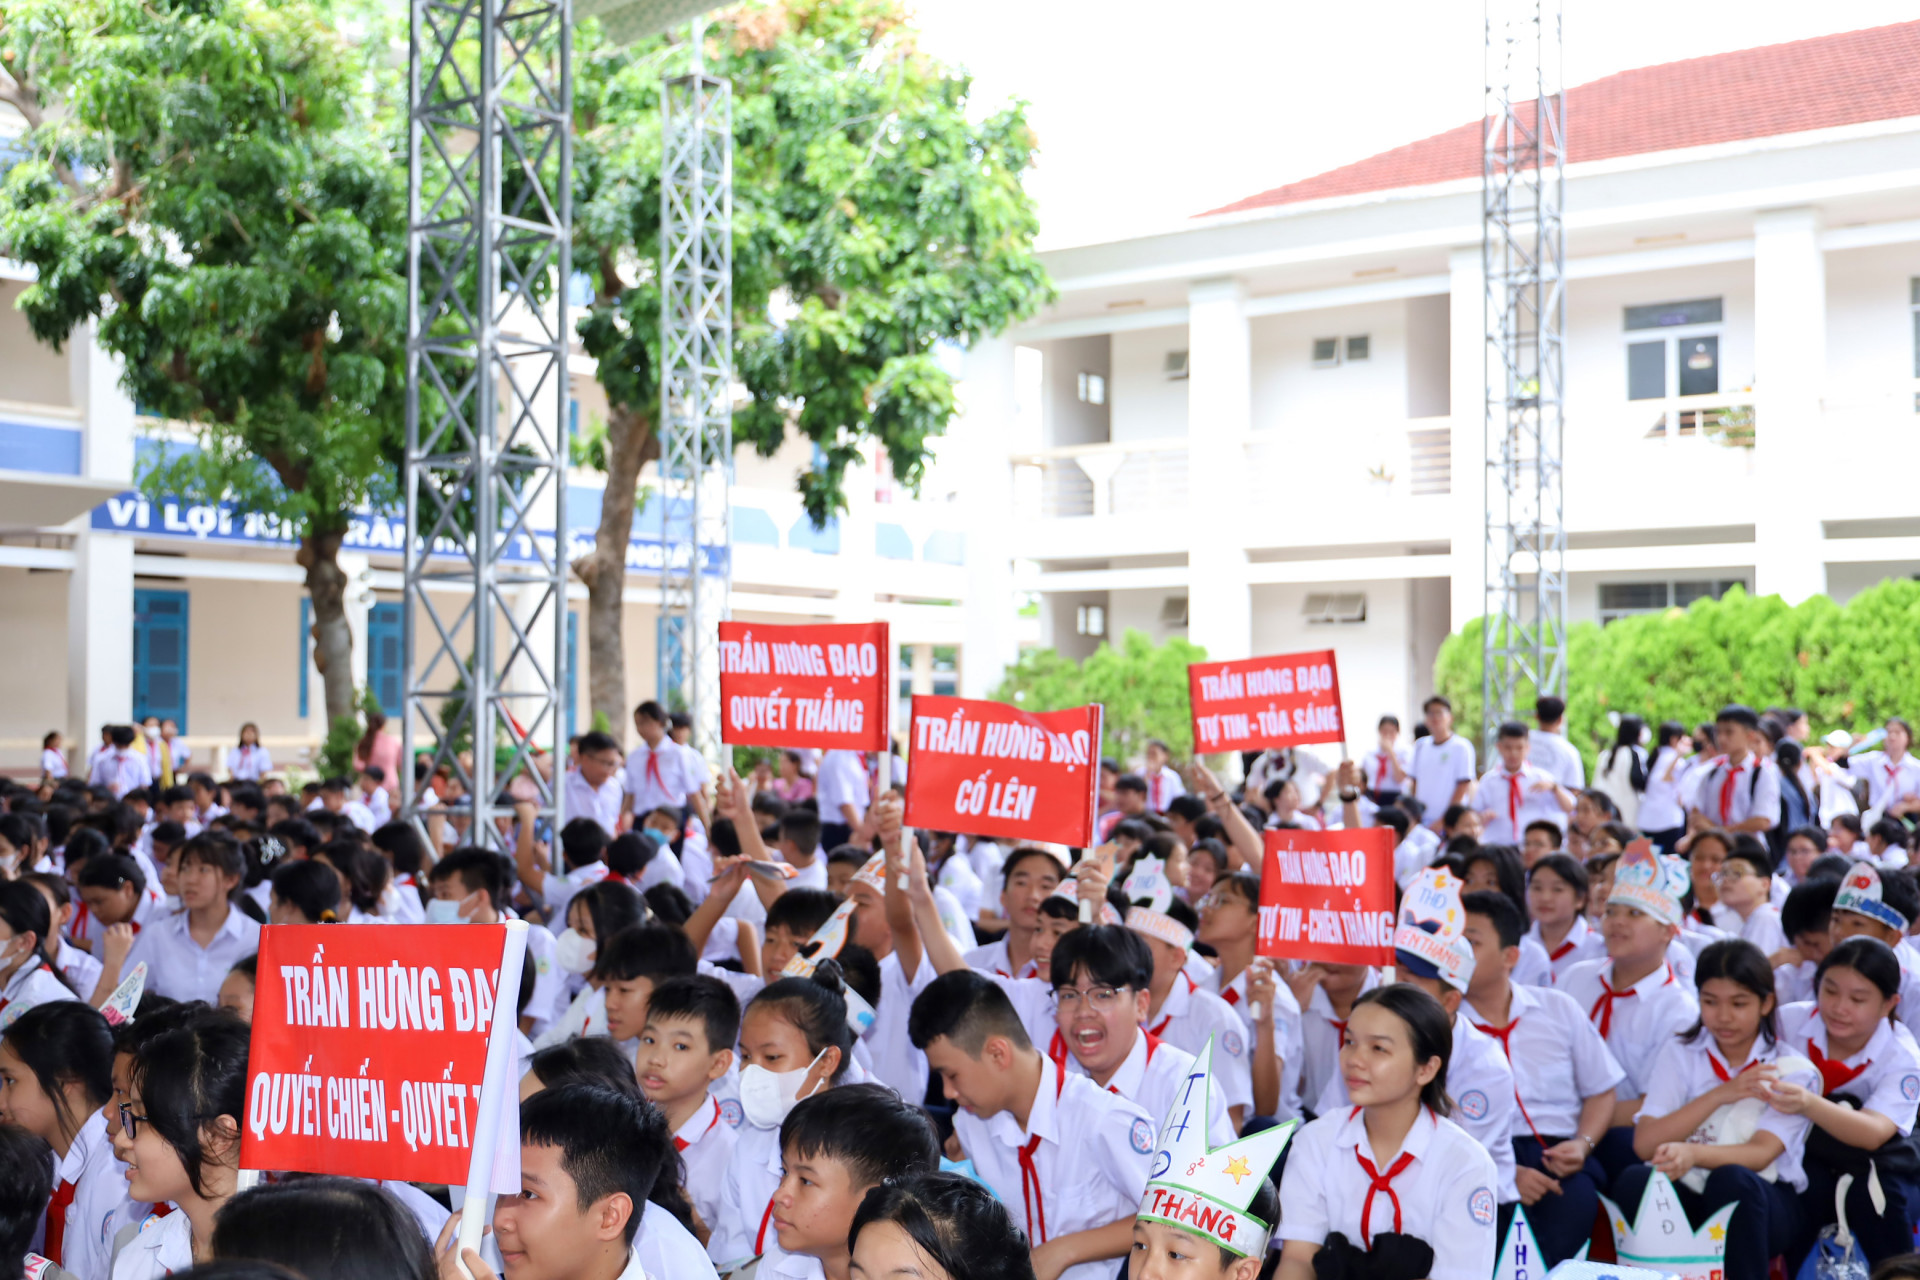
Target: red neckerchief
x=1513, y=801
x=1720, y=1068
x=1380, y=778
x=1726, y=791
x=1835, y=1075
x=1564, y=950
x=1030, y=1192
x=57, y=1222
x=1376, y=1183
x=681, y=1144
x=653, y=767
x=1231, y=995
x=1602, y=1012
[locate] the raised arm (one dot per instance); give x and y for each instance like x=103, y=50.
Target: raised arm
x=1243, y=841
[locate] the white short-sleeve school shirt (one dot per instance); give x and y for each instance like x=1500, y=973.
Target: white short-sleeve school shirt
x=1188, y=1018
x=662, y=1248
x=120, y=771
x=1560, y=758
x=1662, y=806
x=743, y=1227
x=1163, y=785
x=1685, y=1071
x=180, y=968
x=1793, y=983
x=601, y=803
x=896, y=1063
x=33, y=984
x=993, y=960
x=163, y=1246
x=1150, y=1077
x=1729, y=794
x=1583, y=942
x=1376, y=768
x=1558, y=1059
x=1510, y=802
x=706, y=1142
x=1888, y=781
x=1637, y=1022
x=1884, y=1076
x=1414, y=855
x=1080, y=1163
x=1535, y=967
x=1439, y=767
x=248, y=763
x=1287, y=1044
x=1480, y=1082
x=1439, y=1188
x=658, y=777
x=150, y=907
x=94, y=1186
x=53, y=763
x=79, y=968
x=842, y=781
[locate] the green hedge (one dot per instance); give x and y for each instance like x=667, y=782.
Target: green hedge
x=1143, y=687
x=1847, y=666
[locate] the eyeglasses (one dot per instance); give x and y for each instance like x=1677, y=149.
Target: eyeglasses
x=1726, y=875
x=131, y=1120
x=1098, y=998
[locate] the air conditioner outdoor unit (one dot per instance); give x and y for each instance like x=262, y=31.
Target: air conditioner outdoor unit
x=1323, y=607
x=1173, y=611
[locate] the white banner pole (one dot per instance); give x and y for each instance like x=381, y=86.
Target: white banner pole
x=487, y=1135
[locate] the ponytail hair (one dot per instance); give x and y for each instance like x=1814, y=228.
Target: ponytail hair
x=65, y=1040
x=311, y=888
x=25, y=910
x=1430, y=1030
x=816, y=1007
x=366, y=872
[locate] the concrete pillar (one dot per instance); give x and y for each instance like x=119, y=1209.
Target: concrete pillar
x=921, y=656
x=1468, y=379
x=100, y=589
x=1219, y=418
x=1790, y=359
x=985, y=437
x=856, y=565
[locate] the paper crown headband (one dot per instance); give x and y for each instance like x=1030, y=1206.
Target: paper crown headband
x=1520, y=1257
x=1428, y=938
x=1148, y=884
x=1650, y=883
x=1207, y=1191
x=1861, y=893
x=1068, y=890
x=1660, y=1237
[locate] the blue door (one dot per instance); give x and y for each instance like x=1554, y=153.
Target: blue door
x=160, y=655
x=386, y=659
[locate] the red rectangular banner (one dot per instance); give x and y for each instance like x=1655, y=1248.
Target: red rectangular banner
x=1285, y=700
x=1328, y=896
x=369, y=1049
x=805, y=686
x=990, y=769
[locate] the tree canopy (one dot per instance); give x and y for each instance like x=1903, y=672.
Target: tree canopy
x=1143, y=687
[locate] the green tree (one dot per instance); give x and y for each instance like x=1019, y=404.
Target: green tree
x=205, y=186
x=1143, y=687
x=873, y=221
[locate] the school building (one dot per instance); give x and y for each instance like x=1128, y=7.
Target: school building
x=1263, y=429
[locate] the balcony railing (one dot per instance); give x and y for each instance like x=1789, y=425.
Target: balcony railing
x=1102, y=479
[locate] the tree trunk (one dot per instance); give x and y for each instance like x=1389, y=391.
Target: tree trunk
x=319, y=555
x=630, y=444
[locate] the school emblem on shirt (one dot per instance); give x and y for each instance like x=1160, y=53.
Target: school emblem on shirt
x=1142, y=1136
x=1910, y=1087
x=1480, y=1204
x=1231, y=1042
x=1473, y=1105
x=730, y=1112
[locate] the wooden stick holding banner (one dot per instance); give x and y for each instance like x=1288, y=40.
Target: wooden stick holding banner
x=501, y=1080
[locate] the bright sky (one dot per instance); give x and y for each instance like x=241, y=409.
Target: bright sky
x=1150, y=112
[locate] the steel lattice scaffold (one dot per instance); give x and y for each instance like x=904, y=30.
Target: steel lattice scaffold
x=1522, y=254
x=696, y=387
x=488, y=251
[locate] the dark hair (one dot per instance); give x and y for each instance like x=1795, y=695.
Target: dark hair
x=25, y=910
x=1871, y=958
x=1509, y=872
x=1187, y=807
x=1451, y=815
x=585, y=1059
x=1735, y=713
x=86, y=843
x=802, y=828
x=1891, y=831
x=815, y=1007
x=23, y=1192
x=628, y=854
x=966, y=1008
x=1430, y=1030
x=297, y=832
x=801, y=912
x=652, y=711
x=1568, y=869
x=957, y=1222
x=405, y=848
x=611, y=906
x=1511, y=729
x=1851, y=821
x=1627, y=737
x=1437, y=700
x=1130, y=782
x=583, y=841
x=1550, y=827
x=866, y=1127
x=1809, y=907
x=669, y=903
x=110, y=871
x=311, y=888
x=1392, y=815
x=1012, y=861
x=1738, y=961
x=1548, y=708
x=1903, y=1266
x=650, y=950
x=1499, y=911
x=1111, y=955
x=475, y=868
x=367, y=872
x=1813, y=834
x=1829, y=866
x=325, y=1228
x=1898, y=889
x=187, y=1077
x=238, y=1269
x=611, y=1143
x=1752, y=850
x=702, y=999
x=66, y=1040
x=1244, y=884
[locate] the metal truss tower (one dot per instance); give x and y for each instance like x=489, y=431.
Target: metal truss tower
x=696, y=387
x=488, y=261
x=1523, y=251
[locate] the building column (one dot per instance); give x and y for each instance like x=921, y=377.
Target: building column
x=1468, y=380
x=100, y=589
x=856, y=565
x=921, y=656
x=1219, y=419
x=986, y=435
x=1790, y=358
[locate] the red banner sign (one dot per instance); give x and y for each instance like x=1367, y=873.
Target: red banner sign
x=814, y=686
x=1286, y=700
x=369, y=1049
x=1328, y=896
x=989, y=769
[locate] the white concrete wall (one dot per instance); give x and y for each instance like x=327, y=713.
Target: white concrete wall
x=33, y=679
x=1145, y=403
x=30, y=372
x=1068, y=420
x=1321, y=405
x=1373, y=655
x=1429, y=353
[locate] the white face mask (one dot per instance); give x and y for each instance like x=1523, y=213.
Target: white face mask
x=153, y=731
x=767, y=1096
x=574, y=951
x=443, y=911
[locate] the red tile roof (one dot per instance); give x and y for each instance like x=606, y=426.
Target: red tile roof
x=1753, y=93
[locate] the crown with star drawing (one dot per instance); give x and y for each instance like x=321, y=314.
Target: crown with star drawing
x=1207, y=1191
x=1520, y=1257
x=1660, y=1238
x=1649, y=883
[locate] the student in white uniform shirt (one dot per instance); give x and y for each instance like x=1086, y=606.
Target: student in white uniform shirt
x=1745, y=886
x=28, y=977
x=1706, y=1123
x=1663, y=814
x=1551, y=750
x=188, y=954
x=1557, y=889
x=121, y=768
x=1632, y=997
x=56, y=1074
x=842, y=794
x=1027, y=876
x=686, y=1047
x=1443, y=762
x=1431, y=953
x=593, y=786
x=53, y=761
x=1892, y=774
x=1393, y=1164
x=249, y=761
x=658, y=772
x=1384, y=770
x=1807, y=920
x=187, y=1097
x=1518, y=792
x=1873, y=903
x=1564, y=1080
x=1163, y=780
x=1738, y=791
x=1068, y=1158
x=470, y=887
x=1229, y=923
x=113, y=890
